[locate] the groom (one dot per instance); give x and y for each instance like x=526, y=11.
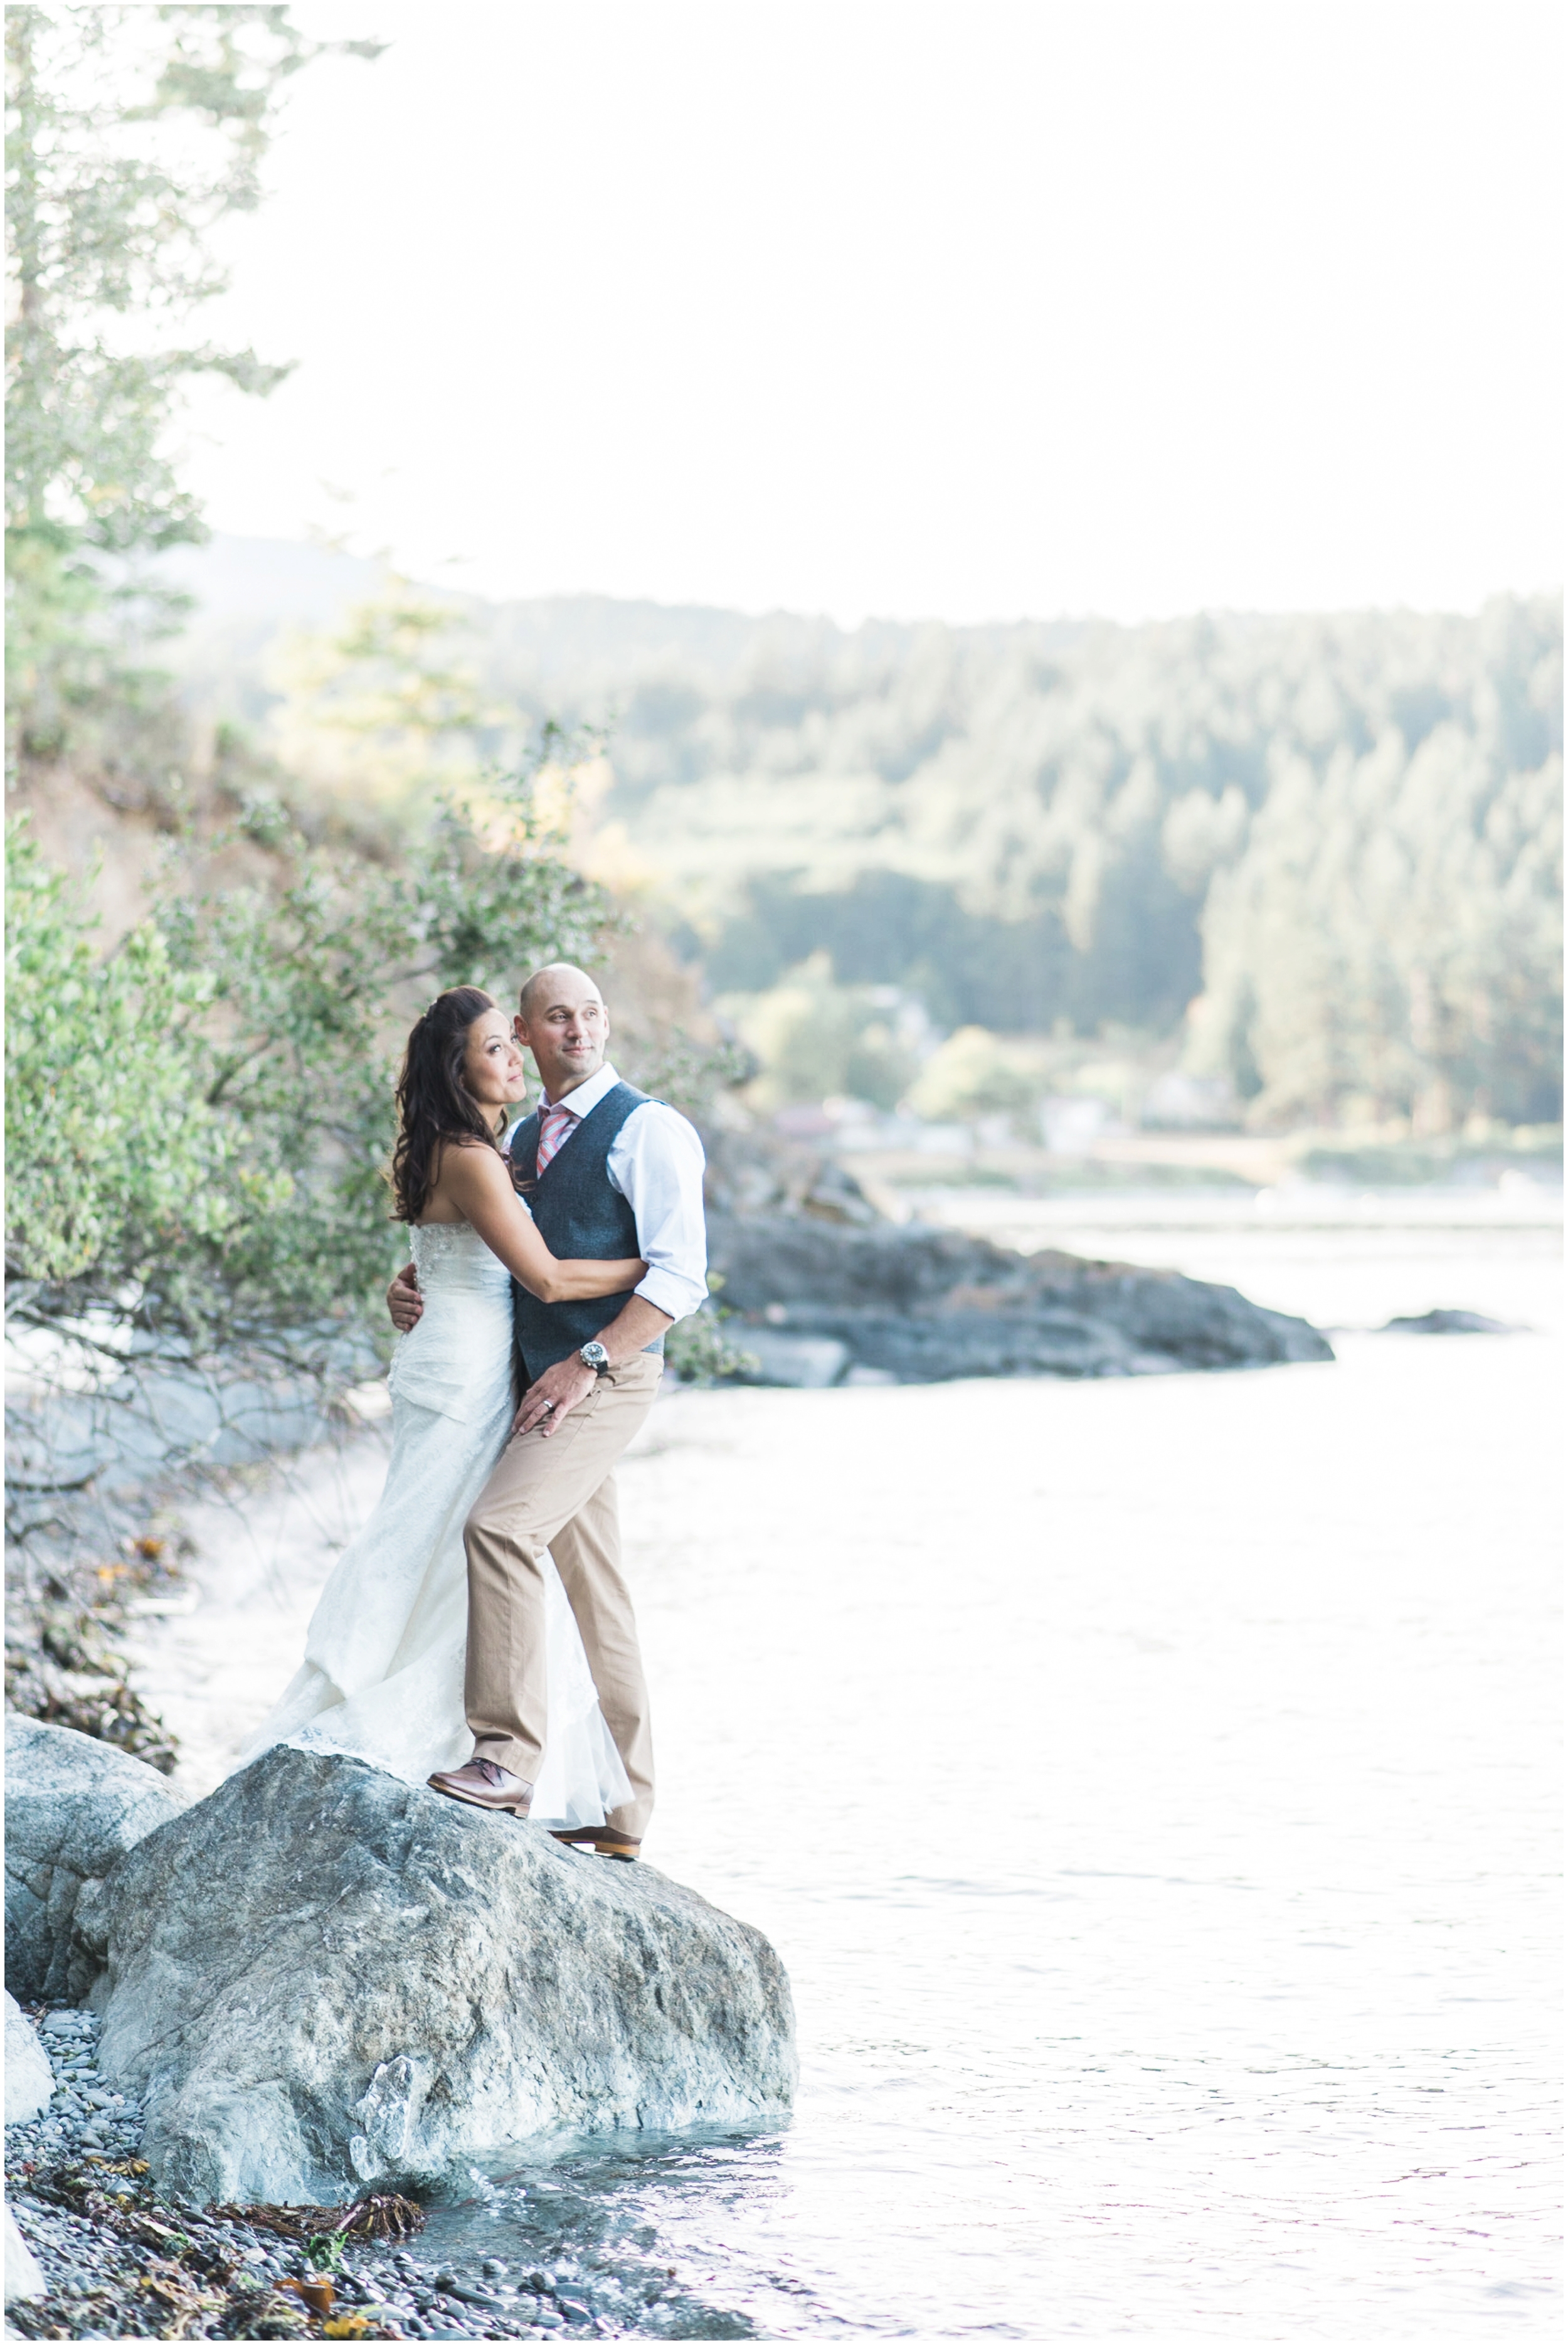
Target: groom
x=608, y=1172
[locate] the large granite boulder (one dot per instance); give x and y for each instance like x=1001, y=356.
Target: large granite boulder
x=73, y=1807
x=321, y=1978
x=29, y=2079
x=923, y=1305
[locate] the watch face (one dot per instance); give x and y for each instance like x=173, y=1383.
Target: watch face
x=594, y=1355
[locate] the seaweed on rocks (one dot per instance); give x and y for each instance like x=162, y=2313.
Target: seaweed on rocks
x=386, y=2216
x=121, y=2259
x=69, y=1600
x=124, y=2263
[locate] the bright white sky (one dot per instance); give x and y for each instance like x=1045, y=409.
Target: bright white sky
x=952, y=307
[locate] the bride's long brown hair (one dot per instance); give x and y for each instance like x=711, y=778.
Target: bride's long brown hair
x=434, y=1103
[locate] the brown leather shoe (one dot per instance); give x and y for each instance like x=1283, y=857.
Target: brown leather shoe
x=601, y=1840
x=482, y=1784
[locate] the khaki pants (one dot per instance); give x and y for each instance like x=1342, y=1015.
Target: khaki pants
x=560, y=1494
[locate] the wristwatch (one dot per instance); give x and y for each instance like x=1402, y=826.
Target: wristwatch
x=594, y=1355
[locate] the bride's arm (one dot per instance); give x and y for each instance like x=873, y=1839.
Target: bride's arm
x=479, y=1185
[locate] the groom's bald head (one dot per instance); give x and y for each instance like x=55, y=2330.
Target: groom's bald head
x=562, y=1019
x=557, y=980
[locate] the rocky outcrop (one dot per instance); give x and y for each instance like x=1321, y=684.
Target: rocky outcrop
x=73, y=1808
x=321, y=1978
x=1448, y=1323
x=923, y=1305
x=29, y=2079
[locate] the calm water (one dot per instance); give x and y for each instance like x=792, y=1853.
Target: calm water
x=1151, y=1787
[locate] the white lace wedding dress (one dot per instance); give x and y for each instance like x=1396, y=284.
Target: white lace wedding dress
x=382, y=1676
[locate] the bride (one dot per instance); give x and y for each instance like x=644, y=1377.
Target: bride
x=382, y=1676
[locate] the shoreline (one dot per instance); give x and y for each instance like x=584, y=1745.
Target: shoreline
x=119, y=2259
x=711, y=1571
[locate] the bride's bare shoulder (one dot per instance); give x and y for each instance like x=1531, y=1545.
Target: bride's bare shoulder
x=468, y=1175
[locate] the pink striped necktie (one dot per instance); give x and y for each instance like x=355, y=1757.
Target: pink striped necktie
x=555, y=1124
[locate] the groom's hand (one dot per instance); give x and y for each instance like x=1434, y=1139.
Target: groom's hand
x=553, y=1396
x=404, y=1300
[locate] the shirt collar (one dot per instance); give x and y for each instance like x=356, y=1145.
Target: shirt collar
x=587, y=1096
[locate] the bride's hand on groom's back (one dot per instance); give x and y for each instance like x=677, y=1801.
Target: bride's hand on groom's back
x=404, y=1300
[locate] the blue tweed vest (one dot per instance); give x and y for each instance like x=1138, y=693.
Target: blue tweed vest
x=580, y=1217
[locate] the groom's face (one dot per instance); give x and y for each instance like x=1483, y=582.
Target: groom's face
x=565, y=1024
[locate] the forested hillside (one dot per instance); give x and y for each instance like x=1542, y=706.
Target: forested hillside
x=1329, y=848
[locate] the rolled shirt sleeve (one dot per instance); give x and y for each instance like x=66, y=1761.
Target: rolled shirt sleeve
x=657, y=1166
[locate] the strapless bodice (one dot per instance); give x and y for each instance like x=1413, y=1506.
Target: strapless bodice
x=452, y=1258
x=458, y=1360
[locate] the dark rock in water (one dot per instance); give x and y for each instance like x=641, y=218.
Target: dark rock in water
x=323, y=1978
x=1447, y=1322
x=73, y=1807
x=926, y=1305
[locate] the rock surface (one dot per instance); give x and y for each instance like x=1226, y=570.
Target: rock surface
x=924, y=1304
x=73, y=1808
x=321, y=1978
x=29, y=2079
x=23, y=2277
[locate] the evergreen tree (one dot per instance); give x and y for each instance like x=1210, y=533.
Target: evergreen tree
x=131, y=133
